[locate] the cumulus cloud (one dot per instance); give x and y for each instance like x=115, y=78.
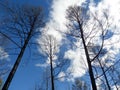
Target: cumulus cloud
x=110, y=7
x=57, y=23
x=78, y=62
x=57, y=16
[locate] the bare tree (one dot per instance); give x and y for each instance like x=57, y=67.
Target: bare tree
x=50, y=48
x=75, y=17
x=19, y=27
x=87, y=27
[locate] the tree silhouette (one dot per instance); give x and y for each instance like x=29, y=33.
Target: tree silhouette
x=19, y=27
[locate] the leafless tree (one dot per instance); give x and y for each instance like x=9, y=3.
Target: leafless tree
x=19, y=26
x=75, y=17
x=87, y=27
x=50, y=48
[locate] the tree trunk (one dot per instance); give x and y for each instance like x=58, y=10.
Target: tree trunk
x=51, y=64
x=94, y=87
x=51, y=67
x=52, y=77
x=11, y=75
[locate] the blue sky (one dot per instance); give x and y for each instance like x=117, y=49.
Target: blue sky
x=29, y=71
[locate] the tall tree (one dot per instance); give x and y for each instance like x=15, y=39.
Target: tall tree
x=20, y=26
x=89, y=29
x=76, y=23
x=56, y=62
x=50, y=47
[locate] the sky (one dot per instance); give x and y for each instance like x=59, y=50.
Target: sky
x=29, y=71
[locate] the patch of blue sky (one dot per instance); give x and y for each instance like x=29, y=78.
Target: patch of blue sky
x=96, y=2
x=108, y=35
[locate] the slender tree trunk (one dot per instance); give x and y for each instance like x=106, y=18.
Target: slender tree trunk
x=52, y=77
x=12, y=73
x=51, y=67
x=104, y=75
x=94, y=87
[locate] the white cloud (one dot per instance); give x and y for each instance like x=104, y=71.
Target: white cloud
x=112, y=8
x=57, y=22
x=78, y=62
x=57, y=16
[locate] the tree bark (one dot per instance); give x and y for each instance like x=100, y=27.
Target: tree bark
x=94, y=87
x=12, y=73
x=51, y=67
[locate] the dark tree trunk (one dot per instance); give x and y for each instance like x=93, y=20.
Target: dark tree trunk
x=12, y=73
x=22, y=23
x=94, y=87
x=51, y=67
x=52, y=77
